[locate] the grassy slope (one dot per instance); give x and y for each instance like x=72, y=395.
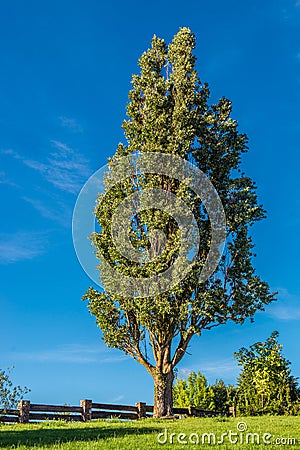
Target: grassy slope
x=142, y=435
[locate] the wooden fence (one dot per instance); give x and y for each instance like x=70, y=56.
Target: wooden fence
x=88, y=410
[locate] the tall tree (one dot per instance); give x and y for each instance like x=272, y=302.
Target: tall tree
x=169, y=112
x=265, y=384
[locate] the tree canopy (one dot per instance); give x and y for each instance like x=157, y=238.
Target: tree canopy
x=265, y=384
x=169, y=114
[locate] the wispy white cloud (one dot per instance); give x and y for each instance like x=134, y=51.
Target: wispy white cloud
x=287, y=306
x=71, y=354
x=64, y=150
x=36, y=165
x=183, y=372
x=5, y=180
x=118, y=398
x=21, y=246
x=286, y=313
x=60, y=212
x=65, y=168
x=72, y=124
x=220, y=367
x=11, y=152
x=213, y=369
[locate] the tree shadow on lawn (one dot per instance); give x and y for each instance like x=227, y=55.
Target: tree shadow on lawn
x=44, y=437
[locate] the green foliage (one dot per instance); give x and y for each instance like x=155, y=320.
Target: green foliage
x=194, y=391
x=295, y=407
x=181, y=394
x=169, y=112
x=224, y=396
x=265, y=385
x=10, y=394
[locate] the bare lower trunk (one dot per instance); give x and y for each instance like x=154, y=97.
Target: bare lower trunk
x=163, y=401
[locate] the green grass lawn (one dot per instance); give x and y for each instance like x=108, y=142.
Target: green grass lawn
x=143, y=435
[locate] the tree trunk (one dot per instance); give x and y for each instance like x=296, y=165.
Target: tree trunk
x=163, y=400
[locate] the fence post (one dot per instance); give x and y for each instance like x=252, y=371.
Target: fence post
x=191, y=411
x=232, y=411
x=24, y=410
x=86, y=406
x=141, y=410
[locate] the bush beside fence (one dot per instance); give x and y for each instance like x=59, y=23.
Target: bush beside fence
x=88, y=410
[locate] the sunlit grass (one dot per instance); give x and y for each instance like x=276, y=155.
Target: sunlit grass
x=143, y=435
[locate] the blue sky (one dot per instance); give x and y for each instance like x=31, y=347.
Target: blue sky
x=65, y=74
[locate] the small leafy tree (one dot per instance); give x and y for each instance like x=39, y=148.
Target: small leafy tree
x=224, y=396
x=10, y=394
x=231, y=395
x=265, y=384
x=181, y=394
x=169, y=112
x=195, y=391
x=220, y=395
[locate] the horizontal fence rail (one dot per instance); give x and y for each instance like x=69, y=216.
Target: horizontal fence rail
x=9, y=415
x=88, y=410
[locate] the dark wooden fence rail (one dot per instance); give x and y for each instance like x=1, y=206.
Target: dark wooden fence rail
x=9, y=415
x=88, y=410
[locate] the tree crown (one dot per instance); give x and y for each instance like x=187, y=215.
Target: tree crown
x=169, y=113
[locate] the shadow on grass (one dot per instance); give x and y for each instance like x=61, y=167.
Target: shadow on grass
x=43, y=437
